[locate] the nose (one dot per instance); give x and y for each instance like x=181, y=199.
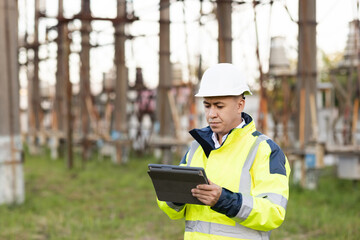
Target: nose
x=212, y=112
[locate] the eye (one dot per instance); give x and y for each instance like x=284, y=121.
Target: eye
x=207, y=105
x=220, y=107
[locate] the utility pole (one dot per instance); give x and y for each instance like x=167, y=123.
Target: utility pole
x=306, y=84
x=68, y=107
x=36, y=85
x=61, y=68
x=224, y=11
x=33, y=83
x=357, y=89
x=60, y=86
x=121, y=83
x=263, y=109
x=165, y=79
x=64, y=93
x=85, y=95
x=63, y=88
x=63, y=85
x=11, y=172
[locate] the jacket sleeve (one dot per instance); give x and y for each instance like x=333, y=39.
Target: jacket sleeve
x=264, y=208
x=174, y=210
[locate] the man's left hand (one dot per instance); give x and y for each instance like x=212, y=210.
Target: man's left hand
x=207, y=194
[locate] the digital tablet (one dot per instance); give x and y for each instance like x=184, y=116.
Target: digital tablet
x=174, y=183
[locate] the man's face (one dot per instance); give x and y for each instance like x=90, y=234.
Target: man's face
x=223, y=113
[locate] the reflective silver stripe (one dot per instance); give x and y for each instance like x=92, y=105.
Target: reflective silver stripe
x=237, y=231
x=175, y=207
x=245, y=179
x=275, y=198
x=246, y=207
x=193, y=147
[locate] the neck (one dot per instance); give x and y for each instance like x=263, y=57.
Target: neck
x=219, y=138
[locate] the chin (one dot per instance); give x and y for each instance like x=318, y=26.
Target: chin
x=215, y=130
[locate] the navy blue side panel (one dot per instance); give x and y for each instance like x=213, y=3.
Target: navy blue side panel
x=247, y=118
x=229, y=203
x=256, y=133
x=277, y=158
x=183, y=160
x=203, y=137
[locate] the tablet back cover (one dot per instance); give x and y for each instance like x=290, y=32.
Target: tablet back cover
x=173, y=185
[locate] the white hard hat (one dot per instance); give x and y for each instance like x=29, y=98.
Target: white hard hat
x=223, y=79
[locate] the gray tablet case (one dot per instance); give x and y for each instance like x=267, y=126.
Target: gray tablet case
x=174, y=183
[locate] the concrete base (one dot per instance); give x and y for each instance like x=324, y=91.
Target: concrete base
x=12, y=188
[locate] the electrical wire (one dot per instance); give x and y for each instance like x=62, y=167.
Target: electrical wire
x=353, y=8
x=245, y=26
x=157, y=8
x=234, y=1
x=288, y=12
x=322, y=19
x=269, y=32
x=186, y=40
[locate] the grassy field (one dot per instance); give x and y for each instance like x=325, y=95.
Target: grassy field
x=103, y=201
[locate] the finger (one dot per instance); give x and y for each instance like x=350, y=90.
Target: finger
x=206, y=187
x=204, y=201
x=204, y=194
x=198, y=192
x=207, y=201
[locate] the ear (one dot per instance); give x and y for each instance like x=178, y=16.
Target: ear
x=240, y=105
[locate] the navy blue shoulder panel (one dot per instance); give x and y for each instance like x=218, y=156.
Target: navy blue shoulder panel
x=203, y=137
x=277, y=159
x=183, y=160
x=256, y=133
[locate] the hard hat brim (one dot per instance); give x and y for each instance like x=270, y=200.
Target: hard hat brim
x=216, y=94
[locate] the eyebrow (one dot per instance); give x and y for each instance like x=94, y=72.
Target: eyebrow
x=215, y=103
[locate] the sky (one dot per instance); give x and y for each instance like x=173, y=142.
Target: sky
x=188, y=40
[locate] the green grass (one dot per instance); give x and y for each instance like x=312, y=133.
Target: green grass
x=104, y=201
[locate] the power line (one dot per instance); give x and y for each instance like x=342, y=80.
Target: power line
x=329, y=11
x=288, y=12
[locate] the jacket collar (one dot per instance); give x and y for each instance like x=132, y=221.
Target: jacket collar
x=203, y=135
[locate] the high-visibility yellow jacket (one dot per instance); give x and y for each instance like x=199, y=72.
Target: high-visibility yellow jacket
x=254, y=174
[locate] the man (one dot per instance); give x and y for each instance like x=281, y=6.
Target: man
x=248, y=172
